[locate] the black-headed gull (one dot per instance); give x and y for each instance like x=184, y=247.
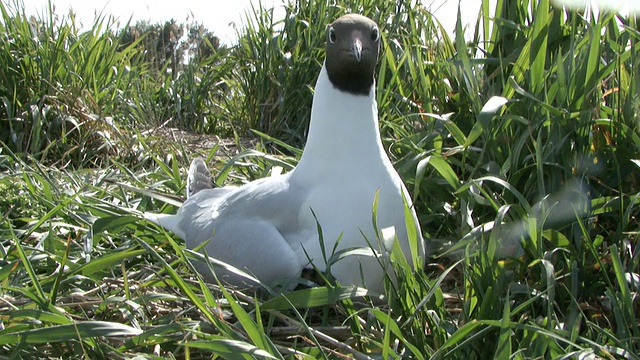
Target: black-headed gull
x=268, y=227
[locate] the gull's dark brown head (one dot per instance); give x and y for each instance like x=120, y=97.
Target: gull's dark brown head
x=353, y=44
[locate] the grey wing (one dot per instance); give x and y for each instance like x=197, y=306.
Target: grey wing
x=254, y=228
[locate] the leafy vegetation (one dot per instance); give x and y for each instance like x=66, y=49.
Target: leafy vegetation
x=520, y=148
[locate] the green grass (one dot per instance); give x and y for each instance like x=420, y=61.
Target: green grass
x=521, y=149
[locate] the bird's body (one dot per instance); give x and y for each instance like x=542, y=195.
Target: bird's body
x=268, y=227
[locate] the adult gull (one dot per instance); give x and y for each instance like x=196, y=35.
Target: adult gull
x=269, y=227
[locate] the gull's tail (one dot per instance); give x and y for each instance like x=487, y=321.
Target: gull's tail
x=198, y=177
x=167, y=221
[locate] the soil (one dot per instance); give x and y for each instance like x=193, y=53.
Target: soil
x=203, y=143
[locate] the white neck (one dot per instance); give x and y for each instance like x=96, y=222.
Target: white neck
x=343, y=132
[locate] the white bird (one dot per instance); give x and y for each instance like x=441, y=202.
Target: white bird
x=268, y=227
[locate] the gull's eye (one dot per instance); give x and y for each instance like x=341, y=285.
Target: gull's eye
x=375, y=34
x=332, y=35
